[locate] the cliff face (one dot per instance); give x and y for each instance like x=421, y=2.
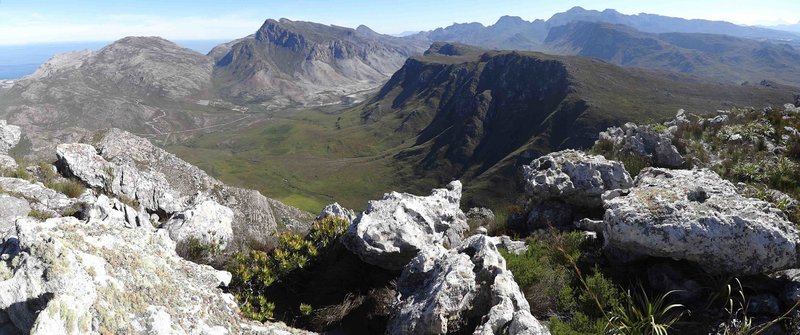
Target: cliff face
x=485, y=110
x=298, y=59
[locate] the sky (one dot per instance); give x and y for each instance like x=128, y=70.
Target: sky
x=47, y=21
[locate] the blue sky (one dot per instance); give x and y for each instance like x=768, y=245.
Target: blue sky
x=40, y=21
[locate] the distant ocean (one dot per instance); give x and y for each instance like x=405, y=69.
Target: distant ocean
x=17, y=61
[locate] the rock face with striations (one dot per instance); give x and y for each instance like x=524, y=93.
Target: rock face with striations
x=697, y=216
x=441, y=291
x=394, y=229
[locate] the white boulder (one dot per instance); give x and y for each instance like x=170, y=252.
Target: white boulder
x=697, y=216
x=440, y=289
x=573, y=177
x=205, y=220
x=9, y=136
x=394, y=229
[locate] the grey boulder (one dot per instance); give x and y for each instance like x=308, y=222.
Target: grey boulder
x=337, y=210
x=644, y=141
x=205, y=221
x=394, y=229
x=69, y=277
x=9, y=136
x=11, y=208
x=573, y=177
x=440, y=289
x=697, y=216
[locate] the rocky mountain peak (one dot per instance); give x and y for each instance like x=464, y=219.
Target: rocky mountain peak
x=508, y=20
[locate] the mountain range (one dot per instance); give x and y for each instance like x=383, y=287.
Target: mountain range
x=267, y=110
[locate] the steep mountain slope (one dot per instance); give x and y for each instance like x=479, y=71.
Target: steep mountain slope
x=456, y=112
x=146, y=85
x=719, y=57
x=308, y=62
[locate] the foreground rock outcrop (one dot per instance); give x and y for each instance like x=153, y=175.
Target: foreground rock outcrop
x=697, y=216
x=131, y=167
x=564, y=186
x=441, y=291
x=574, y=178
x=66, y=276
x=394, y=229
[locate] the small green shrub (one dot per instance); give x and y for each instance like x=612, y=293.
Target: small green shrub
x=39, y=215
x=306, y=309
x=198, y=250
x=47, y=173
x=256, y=272
x=71, y=188
x=633, y=163
x=20, y=172
x=660, y=128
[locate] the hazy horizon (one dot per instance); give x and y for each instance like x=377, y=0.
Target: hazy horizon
x=42, y=22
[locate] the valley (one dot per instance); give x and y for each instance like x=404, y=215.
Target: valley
x=404, y=137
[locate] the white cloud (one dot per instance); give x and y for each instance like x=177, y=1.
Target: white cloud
x=39, y=29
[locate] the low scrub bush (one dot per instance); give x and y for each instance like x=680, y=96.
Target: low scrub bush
x=313, y=281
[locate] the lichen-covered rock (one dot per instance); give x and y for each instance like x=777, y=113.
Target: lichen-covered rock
x=257, y=219
x=205, y=220
x=70, y=277
x=103, y=208
x=394, y=229
x=441, y=291
x=337, y=210
x=697, y=216
x=10, y=209
x=644, y=141
x=82, y=161
x=9, y=136
x=40, y=197
x=573, y=177
x=7, y=162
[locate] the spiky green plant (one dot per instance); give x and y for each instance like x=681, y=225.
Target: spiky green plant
x=638, y=314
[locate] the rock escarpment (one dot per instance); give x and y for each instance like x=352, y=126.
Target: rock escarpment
x=293, y=61
x=66, y=276
x=99, y=264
